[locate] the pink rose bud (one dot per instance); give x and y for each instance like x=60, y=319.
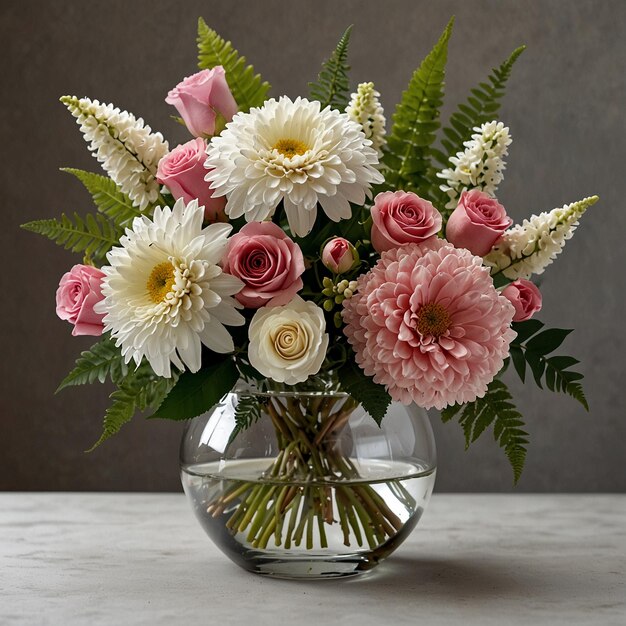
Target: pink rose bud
x=525, y=298
x=267, y=261
x=200, y=97
x=79, y=291
x=182, y=171
x=400, y=218
x=339, y=256
x=477, y=222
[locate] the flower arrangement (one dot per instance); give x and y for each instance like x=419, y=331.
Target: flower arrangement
x=304, y=242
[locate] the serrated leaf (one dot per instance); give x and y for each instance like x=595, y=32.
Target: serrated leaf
x=107, y=197
x=247, y=412
x=372, y=396
x=103, y=360
x=548, y=340
x=332, y=87
x=247, y=87
x=196, y=393
x=449, y=412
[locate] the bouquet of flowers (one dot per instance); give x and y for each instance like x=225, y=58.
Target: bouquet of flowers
x=303, y=243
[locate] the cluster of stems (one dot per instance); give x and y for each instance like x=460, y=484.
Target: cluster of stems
x=311, y=484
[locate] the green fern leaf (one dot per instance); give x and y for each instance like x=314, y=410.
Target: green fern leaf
x=103, y=360
x=494, y=408
x=407, y=158
x=107, y=197
x=94, y=235
x=247, y=412
x=247, y=87
x=333, y=87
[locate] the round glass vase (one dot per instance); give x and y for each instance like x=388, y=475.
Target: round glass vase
x=312, y=487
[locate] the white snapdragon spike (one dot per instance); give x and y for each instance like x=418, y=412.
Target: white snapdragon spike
x=291, y=151
x=127, y=149
x=480, y=165
x=528, y=248
x=365, y=109
x=164, y=292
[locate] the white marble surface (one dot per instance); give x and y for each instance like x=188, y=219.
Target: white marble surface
x=475, y=559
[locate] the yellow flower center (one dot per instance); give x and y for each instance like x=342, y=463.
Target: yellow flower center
x=433, y=319
x=290, y=147
x=290, y=342
x=160, y=281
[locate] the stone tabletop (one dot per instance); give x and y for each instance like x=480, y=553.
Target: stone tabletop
x=474, y=559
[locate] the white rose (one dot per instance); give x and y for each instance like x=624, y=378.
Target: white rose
x=288, y=343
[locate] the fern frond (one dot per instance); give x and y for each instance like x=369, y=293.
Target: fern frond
x=94, y=234
x=333, y=87
x=247, y=412
x=103, y=360
x=494, y=408
x=107, y=197
x=247, y=87
x=482, y=106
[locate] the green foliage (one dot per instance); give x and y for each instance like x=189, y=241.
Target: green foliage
x=138, y=391
x=247, y=412
x=363, y=389
x=532, y=347
x=103, y=360
x=407, y=158
x=107, y=197
x=496, y=409
x=94, y=234
x=195, y=394
x=247, y=87
x=332, y=87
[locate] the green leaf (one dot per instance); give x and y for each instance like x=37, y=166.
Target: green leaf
x=195, y=394
x=496, y=408
x=94, y=234
x=247, y=412
x=450, y=412
x=519, y=361
x=363, y=389
x=526, y=329
x=107, y=197
x=332, y=87
x=247, y=87
x=103, y=360
x=407, y=157
x=138, y=391
x=548, y=340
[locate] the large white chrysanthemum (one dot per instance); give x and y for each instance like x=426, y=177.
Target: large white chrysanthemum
x=126, y=147
x=164, y=292
x=294, y=152
x=528, y=248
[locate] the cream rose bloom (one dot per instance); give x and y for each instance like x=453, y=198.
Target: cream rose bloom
x=288, y=343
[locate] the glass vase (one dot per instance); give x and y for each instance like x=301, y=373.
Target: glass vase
x=311, y=487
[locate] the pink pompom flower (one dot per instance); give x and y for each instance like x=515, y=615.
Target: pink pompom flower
x=200, y=97
x=525, y=298
x=427, y=322
x=182, y=171
x=79, y=291
x=400, y=218
x=268, y=262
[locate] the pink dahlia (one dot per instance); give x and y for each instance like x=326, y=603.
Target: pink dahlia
x=427, y=322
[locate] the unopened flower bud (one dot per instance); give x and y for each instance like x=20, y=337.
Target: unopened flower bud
x=339, y=256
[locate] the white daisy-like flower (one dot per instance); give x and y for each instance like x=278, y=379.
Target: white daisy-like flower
x=291, y=151
x=165, y=294
x=127, y=148
x=480, y=165
x=530, y=247
x=366, y=110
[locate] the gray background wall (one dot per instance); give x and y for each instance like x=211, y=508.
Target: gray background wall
x=565, y=108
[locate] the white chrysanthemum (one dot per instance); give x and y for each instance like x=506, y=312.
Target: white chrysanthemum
x=365, y=109
x=530, y=247
x=480, y=165
x=292, y=151
x=127, y=149
x=165, y=294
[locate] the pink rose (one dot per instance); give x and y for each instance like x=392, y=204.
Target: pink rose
x=200, y=97
x=267, y=261
x=400, y=218
x=182, y=171
x=79, y=291
x=525, y=298
x=477, y=222
x=339, y=255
